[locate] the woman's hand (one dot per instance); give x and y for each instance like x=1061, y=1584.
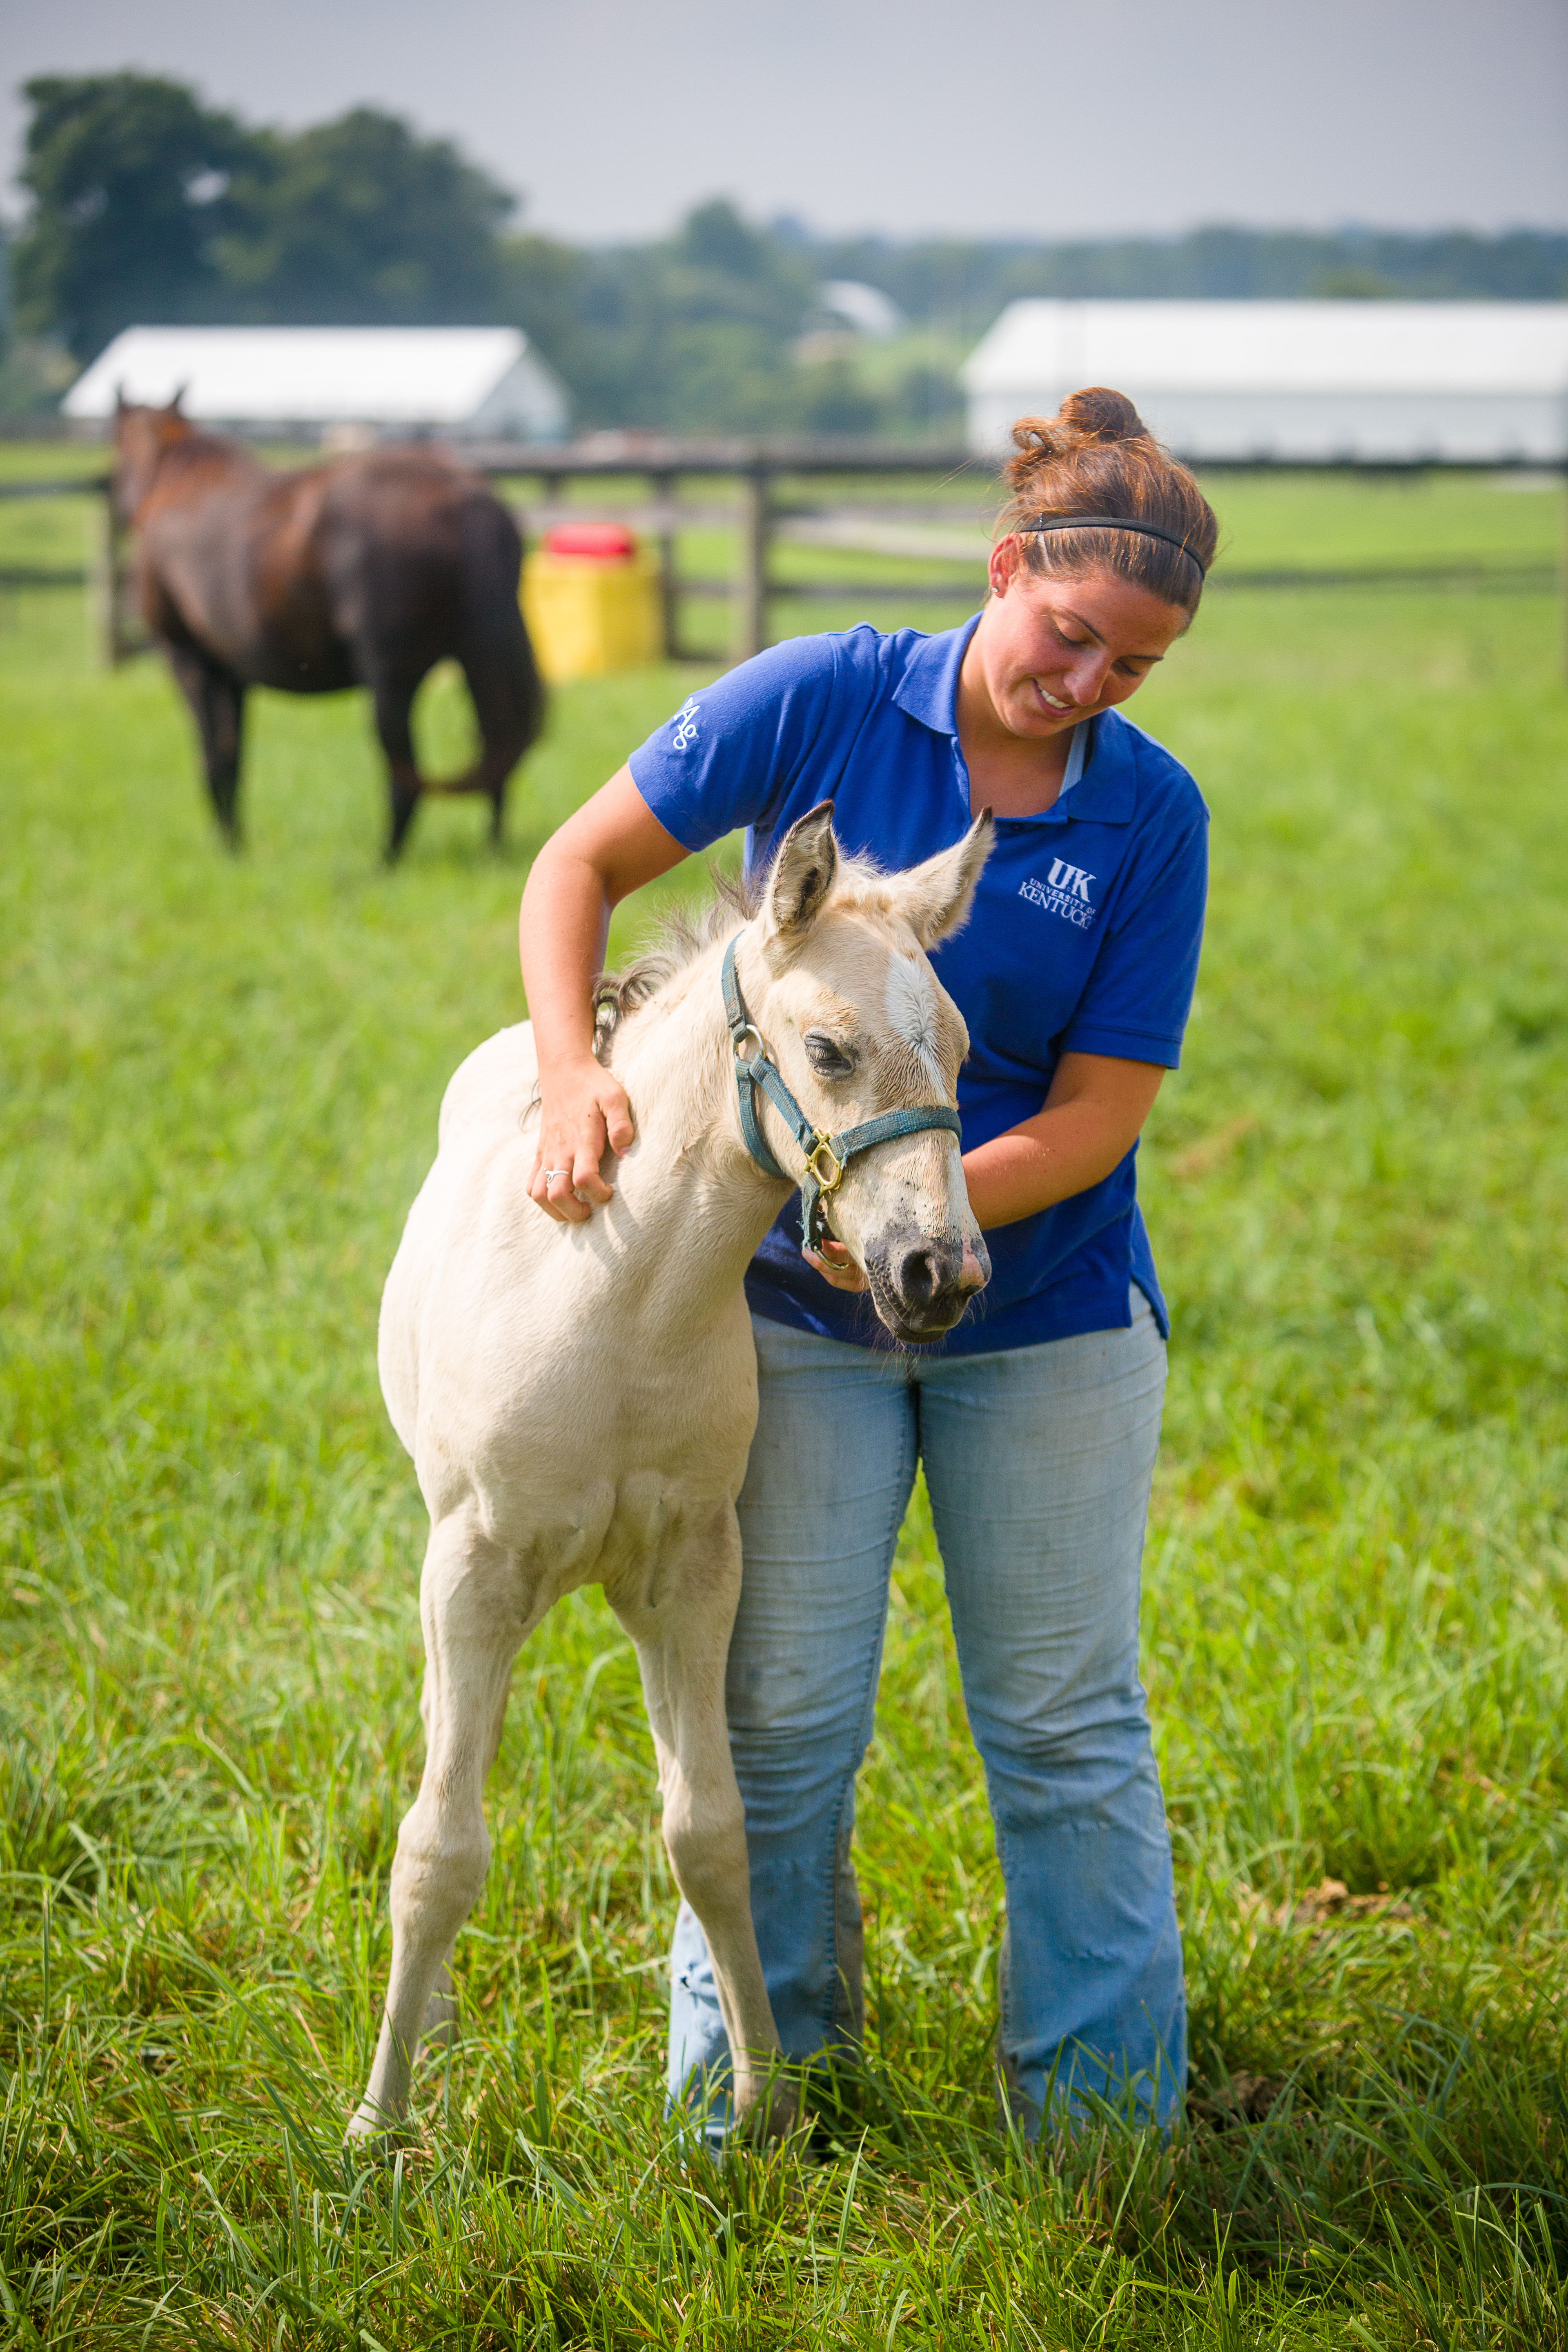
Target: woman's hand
x=836, y=1266
x=613, y=844
x=584, y=1112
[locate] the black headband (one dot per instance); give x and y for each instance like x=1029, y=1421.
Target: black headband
x=1114, y=522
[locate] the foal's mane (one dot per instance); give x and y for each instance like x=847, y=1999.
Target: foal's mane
x=682, y=936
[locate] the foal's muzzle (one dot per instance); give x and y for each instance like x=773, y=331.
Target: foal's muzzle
x=920, y=1284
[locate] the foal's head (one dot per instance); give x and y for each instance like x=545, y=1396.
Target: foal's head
x=836, y=980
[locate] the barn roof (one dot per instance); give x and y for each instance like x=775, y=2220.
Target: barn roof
x=1247, y=346
x=403, y=376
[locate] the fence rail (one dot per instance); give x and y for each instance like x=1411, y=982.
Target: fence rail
x=770, y=507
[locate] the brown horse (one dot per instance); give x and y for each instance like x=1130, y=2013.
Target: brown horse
x=366, y=570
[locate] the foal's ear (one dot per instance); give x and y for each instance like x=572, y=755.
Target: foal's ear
x=801, y=873
x=935, y=899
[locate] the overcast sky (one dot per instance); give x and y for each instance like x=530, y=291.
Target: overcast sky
x=613, y=116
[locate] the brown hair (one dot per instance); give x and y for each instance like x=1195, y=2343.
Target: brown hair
x=1097, y=456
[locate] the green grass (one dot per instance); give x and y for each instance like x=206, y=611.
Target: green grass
x=220, y=1082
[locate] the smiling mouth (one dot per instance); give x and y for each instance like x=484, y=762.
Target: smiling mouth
x=1050, y=700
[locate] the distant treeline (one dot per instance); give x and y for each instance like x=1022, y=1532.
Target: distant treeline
x=1221, y=263
x=151, y=207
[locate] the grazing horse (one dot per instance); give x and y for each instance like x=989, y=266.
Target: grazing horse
x=579, y=1399
x=366, y=570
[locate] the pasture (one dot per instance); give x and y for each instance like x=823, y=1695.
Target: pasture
x=219, y=1090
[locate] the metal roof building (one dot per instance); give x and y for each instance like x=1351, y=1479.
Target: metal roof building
x=1478, y=383
x=454, y=380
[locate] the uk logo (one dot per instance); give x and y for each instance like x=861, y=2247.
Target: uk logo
x=685, y=724
x=1065, y=891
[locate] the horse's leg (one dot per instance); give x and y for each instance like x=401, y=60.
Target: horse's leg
x=218, y=704
x=682, y=1641
x=225, y=703
x=394, y=689
x=476, y=1610
x=507, y=697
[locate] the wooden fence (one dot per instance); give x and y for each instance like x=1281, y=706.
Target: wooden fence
x=799, y=493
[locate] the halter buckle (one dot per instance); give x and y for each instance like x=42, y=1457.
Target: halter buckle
x=738, y=1040
x=822, y=1150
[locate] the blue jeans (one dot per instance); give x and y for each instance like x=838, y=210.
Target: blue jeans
x=1039, y=1462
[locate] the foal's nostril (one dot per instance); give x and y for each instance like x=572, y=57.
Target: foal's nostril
x=923, y=1282
x=919, y=1277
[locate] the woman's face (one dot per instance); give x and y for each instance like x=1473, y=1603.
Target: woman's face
x=1056, y=649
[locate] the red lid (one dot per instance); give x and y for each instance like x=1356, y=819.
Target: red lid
x=611, y=542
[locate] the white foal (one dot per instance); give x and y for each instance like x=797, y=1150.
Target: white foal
x=579, y=1399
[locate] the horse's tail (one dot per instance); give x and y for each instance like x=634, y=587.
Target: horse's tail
x=497, y=659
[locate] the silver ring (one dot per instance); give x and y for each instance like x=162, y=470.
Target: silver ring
x=551, y=1172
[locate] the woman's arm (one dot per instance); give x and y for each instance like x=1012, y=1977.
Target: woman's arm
x=611, y=847
x=1094, y=1112
x=1093, y=1115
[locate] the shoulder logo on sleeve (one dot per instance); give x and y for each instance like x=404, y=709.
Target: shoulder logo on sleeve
x=1064, y=891
x=685, y=725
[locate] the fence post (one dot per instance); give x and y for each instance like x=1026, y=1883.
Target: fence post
x=752, y=587
x=669, y=586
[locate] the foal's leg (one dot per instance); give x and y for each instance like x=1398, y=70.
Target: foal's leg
x=476, y=1609
x=681, y=1628
x=218, y=704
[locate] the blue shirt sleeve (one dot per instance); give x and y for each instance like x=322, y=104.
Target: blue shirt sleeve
x=733, y=750
x=1135, y=1003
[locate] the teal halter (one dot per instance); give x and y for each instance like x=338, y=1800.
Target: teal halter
x=827, y=1156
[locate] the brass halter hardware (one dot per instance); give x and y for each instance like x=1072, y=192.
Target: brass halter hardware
x=820, y=1151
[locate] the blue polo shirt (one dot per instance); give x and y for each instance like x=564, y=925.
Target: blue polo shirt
x=1084, y=936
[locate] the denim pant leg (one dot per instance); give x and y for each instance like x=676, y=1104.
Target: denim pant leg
x=1039, y=1462
x=826, y=1486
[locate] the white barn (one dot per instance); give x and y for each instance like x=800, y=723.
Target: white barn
x=1480, y=383
x=460, y=381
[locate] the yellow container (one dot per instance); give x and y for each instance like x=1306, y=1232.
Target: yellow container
x=587, y=615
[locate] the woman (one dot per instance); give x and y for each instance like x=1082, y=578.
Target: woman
x=1037, y=1419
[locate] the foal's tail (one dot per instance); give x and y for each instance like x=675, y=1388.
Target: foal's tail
x=497, y=659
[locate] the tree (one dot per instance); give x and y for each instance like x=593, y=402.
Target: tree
x=361, y=223
x=692, y=334
x=129, y=176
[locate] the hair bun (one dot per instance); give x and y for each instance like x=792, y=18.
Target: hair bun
x=1098, y=414
x=1096, y=463
x=1096, y=418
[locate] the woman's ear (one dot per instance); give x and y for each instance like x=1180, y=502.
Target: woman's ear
x=1006, y=562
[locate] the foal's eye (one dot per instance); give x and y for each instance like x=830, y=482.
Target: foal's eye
x=829, y=1061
